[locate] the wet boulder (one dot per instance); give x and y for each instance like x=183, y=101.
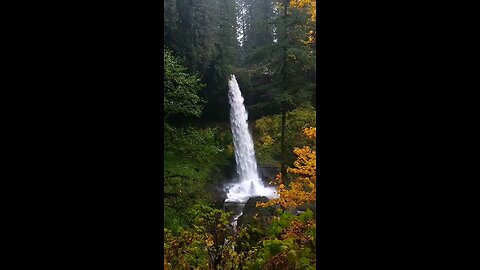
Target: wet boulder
x=268, y=173
x=256, y=215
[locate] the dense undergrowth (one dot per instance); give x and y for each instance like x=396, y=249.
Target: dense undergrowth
x=190, y=157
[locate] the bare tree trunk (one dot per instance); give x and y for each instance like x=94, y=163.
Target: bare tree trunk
x=283, y=168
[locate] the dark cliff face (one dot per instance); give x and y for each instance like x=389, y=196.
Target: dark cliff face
x=256, y=215
x=221, y=176
x=267, y=174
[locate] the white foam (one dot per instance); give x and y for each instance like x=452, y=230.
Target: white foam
x=249, y=184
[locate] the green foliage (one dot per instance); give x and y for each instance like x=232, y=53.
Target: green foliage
x=190, y=157
x=283, y=249
x=203, y=246
x=248, y=237
x=180, y=88
x=185, y=250
x=268, y=134
x=174, y=220
x=288, y=244
x=200, y=145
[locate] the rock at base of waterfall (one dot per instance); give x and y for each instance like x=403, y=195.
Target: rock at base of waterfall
x=234, y=207
x=256, y=215
x=268, y=173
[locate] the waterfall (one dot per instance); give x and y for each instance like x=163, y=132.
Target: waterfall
x=249, y=183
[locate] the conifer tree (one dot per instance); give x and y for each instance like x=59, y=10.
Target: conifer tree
x=280, y=70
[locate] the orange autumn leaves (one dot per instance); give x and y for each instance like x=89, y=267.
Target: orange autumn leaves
x=302, y=189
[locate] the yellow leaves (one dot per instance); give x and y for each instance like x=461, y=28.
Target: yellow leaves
x=298, y=230
x=310, y=132
x=303, y=188
x=312, y=7
x=230, y=149
x=311, y=39
x=267, y=140
x=209, y=241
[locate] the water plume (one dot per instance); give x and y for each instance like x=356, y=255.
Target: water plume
x=249, y=183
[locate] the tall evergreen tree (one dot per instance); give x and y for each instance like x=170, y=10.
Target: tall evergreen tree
x=280, y=72
x=259, y=29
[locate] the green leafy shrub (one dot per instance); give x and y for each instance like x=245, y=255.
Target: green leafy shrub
x=180, y=88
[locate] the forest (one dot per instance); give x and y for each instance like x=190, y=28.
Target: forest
x=270, y=48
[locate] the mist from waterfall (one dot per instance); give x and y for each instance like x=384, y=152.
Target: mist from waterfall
x=249, y=183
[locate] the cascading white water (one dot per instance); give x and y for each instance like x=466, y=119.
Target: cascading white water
x=249, y=183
